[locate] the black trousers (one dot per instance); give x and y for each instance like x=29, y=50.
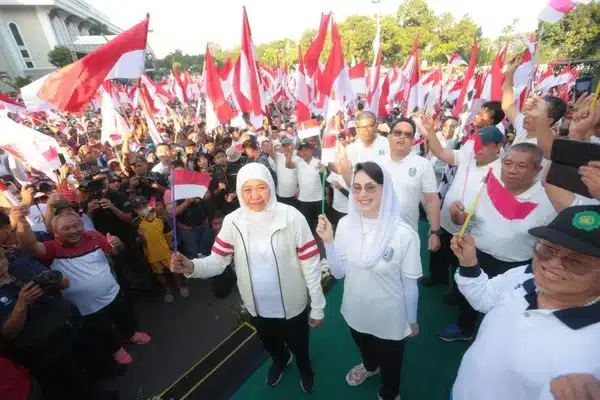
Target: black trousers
x=467, y=317
x=335, y=216
x=385, y=354
x=441, y=261
x=112, y=324
x=280, y=336
x=311, y=211
x=290, y=201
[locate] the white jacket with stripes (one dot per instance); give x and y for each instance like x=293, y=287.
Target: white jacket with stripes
x=296, y=256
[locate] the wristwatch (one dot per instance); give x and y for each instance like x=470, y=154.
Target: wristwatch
x=435, y=232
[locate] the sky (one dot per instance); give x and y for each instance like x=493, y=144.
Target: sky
x=189, y=25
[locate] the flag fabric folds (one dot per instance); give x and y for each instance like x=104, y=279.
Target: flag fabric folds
x=503, y=200
x=189, y=184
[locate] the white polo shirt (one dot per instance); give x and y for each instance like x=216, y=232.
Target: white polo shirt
x=412, y=176
x=340, y=200
x=466, y=183
x=520, y=348
x=508, y=240
x=287, y=178
x=357, y=152
x=309, y=180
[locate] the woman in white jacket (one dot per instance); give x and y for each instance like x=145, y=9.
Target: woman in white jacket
x=276, y=260
x=378, y=255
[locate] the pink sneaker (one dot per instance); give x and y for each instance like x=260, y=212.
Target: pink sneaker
x=140, y=338
x=122, y=357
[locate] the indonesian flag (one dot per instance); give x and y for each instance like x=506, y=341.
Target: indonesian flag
x=178, y=86
x=456, y=60
x=302, y=111
x=328, y=153
x=492, y=87
x=11, y=105
x=309, y=128
x=357, y=78
x=556, y=10
x=71, y=88
x=149, y=110
x=160, y=96
x=248, y=79
x=31, y=147
x=462, y=97
x=524, y=75
x=505, y=203
x=311, y=59
x=218, y=110
x=113, y=123
x=412, y=98
x=189, y=184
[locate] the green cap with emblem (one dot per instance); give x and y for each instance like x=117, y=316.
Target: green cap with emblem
x=576, y=228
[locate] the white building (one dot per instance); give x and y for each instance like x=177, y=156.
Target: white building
x=29, y=29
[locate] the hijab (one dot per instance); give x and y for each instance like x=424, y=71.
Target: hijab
x=368, y=254
x=256, y=171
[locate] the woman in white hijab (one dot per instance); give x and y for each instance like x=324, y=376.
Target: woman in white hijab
x=276, y=260
x=378, y=255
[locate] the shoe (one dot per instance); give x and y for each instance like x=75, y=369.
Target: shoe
x=381, y=398
x=184, y=292
x=429, y=282
x=122, y=357
x=357, y=375
x=453, y=333
x=169, y=298
x=140, y=338
x=275, y=373
x=451, y=299
x=307, y=382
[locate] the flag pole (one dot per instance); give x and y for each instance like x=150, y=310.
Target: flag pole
x=473, y=207
x=174, y=217
x=596, y=96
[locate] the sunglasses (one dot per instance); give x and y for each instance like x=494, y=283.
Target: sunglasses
x=399, y=133
x=370, y=188
x=577, y=265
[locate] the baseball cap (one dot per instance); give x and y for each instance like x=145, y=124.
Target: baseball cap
x=138, y=201
x=185, y=143
x=138, y=160
x=303, y=144
x=490, y=134
x=576, y=228
x=286, y=141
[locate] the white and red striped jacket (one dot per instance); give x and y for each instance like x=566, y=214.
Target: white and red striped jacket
x=296, y=255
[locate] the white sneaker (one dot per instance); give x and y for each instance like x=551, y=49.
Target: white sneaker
x=359, y=374
x=168, y=298
x=184, y=292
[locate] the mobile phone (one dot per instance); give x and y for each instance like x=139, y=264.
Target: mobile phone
x=62, y=159
x=567, y=156
x=583, y=85
x=84, y=167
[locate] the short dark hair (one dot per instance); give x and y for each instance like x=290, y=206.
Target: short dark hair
x=557, y=108
x=373, y=170
x=249, y=143
x=366, y=115
x=408, y=121
x=495, y=109
x=531, y=148
x=218, y=151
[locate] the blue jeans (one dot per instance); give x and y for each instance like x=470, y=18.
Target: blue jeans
x=191, y=241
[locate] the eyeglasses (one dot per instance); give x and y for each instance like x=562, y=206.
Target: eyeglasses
x=577, y=265
x=370, y=188
x=362, y=128
x=398, y=133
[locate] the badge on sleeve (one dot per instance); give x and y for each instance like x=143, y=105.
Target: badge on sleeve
x=389, y=254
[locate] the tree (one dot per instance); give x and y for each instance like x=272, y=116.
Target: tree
x=60, y=56
x=575, y=37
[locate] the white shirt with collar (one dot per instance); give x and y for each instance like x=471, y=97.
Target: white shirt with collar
x=287, y=178
x=309, y=180
x=412, y=176
x=466, y=183
x=340, y=200
x=520, y=348
x=357, y=152
x=161, y=168
x=509, y=240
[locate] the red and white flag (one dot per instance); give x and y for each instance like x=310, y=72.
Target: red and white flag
x=357, y=78
x=218, y=110
x=301, y=94
x=309, y=128
x=556, y=10
x=187, y=184
x=462, y=97
x=505, y=203
x=311, y=59
x=413, y=98
x=149, y=110
x=11, y=105
x=113, y=123
x=30, y=146
x=456, y=60
x=328, y=149
x=73, y=87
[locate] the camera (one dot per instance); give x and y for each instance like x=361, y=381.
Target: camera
x=48, y=279
x=43, y=187
x=217, y=172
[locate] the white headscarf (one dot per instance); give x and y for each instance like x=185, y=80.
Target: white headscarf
x=387, y=221
x=260, y=172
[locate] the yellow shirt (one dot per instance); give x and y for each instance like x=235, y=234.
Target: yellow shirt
x=155, y=240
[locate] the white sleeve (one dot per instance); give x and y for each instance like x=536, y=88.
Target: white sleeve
x=482, y=293
x=429, y=183
x=520, y=132
x=411, y=298
x=410, y=261
x=220, y=255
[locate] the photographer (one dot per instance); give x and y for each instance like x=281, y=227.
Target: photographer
x=39, y=327
x=146, y=183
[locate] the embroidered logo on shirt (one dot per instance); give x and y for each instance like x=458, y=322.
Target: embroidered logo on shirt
x=389, y=253
x=412, y=172
x=382, y=152
x=587, y=220
x=4, y=300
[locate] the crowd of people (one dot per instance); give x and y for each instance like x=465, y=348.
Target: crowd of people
x=275, y=217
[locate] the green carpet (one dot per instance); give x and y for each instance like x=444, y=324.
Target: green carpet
x=428, y=371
